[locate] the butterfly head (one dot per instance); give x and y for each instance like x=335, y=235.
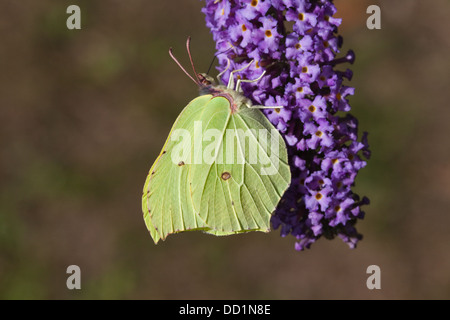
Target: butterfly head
x=205, y=80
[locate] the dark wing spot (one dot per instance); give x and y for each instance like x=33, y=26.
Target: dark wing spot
x=225, y=175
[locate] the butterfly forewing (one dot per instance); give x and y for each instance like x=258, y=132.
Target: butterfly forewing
x=233, y=195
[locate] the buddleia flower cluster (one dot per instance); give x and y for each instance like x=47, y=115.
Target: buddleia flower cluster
x=296, y=43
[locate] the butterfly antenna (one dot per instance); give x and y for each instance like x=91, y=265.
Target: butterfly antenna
x=181, y=67
x=215, y=57
x=188, y=42
x=210, y=66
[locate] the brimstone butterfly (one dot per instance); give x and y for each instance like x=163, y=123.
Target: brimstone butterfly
x=223, y=169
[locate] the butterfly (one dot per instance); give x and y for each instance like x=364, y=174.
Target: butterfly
x=223, y=168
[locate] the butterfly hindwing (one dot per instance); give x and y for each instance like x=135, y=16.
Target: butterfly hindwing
x=167, y=203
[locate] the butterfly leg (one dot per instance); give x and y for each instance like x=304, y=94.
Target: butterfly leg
x=225, y=70
x=231, y=80
x=264, y=107
x=238, y=84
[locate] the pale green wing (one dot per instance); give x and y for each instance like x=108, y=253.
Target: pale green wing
x=210, y=186
x=166, y=200
x=240, y=188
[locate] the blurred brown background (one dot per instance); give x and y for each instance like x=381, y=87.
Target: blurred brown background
x=84, y=113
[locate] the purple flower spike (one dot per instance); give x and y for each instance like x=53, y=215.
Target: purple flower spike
x=296, y=43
